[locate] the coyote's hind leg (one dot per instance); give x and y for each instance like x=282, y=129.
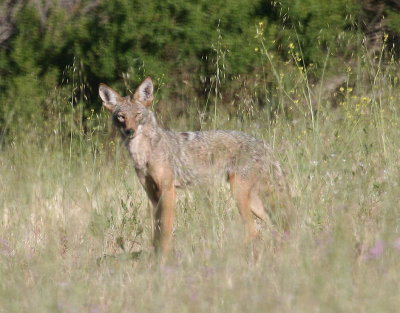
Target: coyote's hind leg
x=241, y=193
x=257, y=206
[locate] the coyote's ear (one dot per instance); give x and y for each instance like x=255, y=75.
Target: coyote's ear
x=109, y=96
x=144, y=93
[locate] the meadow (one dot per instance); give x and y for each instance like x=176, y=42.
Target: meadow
x=75, y=229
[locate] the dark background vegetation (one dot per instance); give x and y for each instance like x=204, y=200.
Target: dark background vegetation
x=192, y=50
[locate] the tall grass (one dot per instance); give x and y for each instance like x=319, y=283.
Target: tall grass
x=75, y=229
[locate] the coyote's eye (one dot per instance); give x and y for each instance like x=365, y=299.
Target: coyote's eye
x=120, y=118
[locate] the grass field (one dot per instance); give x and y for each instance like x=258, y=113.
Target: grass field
x=75, y=229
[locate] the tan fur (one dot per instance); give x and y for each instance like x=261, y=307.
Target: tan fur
x=166, y=160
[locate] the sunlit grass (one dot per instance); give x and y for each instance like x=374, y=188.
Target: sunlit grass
x=75, y=229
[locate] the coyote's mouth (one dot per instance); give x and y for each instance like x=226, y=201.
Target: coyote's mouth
x=128, y=133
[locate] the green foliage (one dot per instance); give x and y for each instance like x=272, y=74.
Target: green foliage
x=193, y=48
x=321, y=26
x=166, y=39
x=393, y=21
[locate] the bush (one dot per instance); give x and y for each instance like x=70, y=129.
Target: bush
x=195, y=49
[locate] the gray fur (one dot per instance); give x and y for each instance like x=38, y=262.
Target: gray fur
x=165, y=160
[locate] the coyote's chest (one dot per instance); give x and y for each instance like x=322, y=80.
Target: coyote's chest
x=140, y=151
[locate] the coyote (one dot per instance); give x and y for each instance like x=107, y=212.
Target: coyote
x=166, y=160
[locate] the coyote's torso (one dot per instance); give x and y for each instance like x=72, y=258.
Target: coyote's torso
x=199, y=156
x=165, y=160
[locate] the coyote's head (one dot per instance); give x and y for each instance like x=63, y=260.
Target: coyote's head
x=131, y=112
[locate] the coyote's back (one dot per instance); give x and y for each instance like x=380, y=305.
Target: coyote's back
x=203, y=155
x=165, y=160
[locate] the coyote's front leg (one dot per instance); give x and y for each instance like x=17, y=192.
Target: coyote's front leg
x=163, y=219
x=161, y=191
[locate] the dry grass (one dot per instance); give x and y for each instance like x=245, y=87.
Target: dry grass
x=75, y=231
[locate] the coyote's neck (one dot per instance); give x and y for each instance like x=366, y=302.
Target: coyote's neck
x=141, y=146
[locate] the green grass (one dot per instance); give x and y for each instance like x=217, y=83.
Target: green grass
x=75, y=229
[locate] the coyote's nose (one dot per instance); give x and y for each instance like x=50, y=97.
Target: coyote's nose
x=130, y=132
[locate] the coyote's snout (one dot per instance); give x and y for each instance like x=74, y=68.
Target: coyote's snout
x=165, y=160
